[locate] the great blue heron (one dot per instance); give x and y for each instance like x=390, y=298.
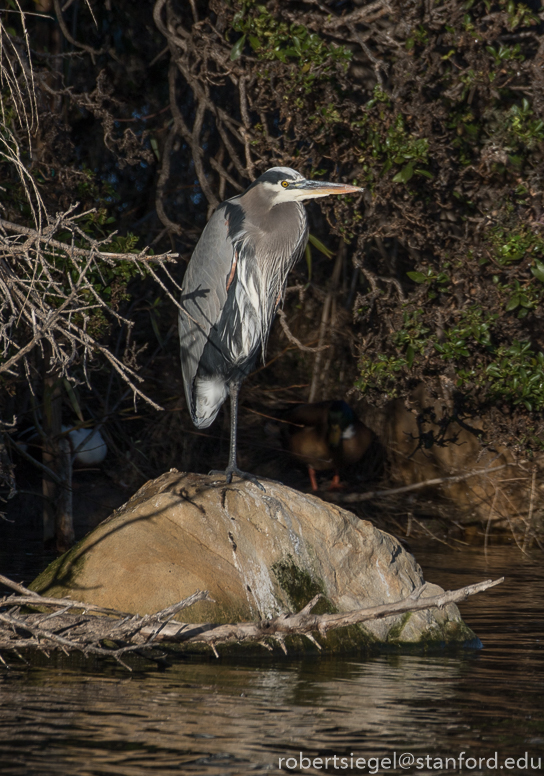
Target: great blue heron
x=233, y=286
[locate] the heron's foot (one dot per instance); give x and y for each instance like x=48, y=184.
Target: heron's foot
x=230, y=471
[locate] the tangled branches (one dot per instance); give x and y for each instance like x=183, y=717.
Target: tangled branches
x=127, y=633
x=50, y=293
x=152, y=114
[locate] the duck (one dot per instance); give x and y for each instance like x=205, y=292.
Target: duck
x=325, y=435
x=87, y=445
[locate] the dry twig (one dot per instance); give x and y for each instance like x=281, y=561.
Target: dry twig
x=350, y=498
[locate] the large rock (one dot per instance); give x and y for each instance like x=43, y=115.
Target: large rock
x=505, y=495
x=258, y=554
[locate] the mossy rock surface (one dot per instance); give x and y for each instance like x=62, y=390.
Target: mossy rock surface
x=257, y=554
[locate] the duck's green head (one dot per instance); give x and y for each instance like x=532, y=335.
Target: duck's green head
x=340, y=422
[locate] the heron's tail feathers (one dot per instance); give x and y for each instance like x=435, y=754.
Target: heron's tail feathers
x=208, y=396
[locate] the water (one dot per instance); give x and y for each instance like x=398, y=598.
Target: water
x=85, y=717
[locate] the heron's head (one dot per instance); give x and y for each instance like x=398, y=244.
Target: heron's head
x=282, y=184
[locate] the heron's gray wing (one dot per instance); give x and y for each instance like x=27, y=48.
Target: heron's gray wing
x=204, y=294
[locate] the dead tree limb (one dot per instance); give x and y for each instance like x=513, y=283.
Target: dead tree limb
x=70, y=631
x=350, y=498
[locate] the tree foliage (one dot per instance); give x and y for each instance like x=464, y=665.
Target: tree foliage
x=149, y=116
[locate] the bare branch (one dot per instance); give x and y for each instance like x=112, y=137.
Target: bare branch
x=291, y=337
x=134, y=632
x=351, y=498
x=43, y=237
x=65, y=31
x=49, y=293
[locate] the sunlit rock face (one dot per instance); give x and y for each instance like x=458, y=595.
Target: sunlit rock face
x=258, y=554
x=501, y=495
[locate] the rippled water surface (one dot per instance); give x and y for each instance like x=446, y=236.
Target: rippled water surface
x=88, y=717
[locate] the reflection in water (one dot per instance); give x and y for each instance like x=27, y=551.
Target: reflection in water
x=81, y=717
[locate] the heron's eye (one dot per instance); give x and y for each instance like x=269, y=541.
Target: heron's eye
x=285, y=184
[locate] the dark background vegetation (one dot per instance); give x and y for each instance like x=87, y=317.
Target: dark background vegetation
x=150, y=114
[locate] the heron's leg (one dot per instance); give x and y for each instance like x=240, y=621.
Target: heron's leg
x=232, y=468
x=234, y=389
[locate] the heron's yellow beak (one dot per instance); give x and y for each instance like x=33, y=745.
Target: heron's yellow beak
x=312, y=189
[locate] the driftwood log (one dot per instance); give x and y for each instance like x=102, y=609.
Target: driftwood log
x=93, y=630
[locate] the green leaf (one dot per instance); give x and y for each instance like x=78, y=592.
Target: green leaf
x=308, y=256
x=238, y=47
x=417, y=277
x=320, y=247
x=426, y=173
x=237, y=18
x=73, y=399
x=405, y=174
x=155, y=148
x=410, y=353
x=155, y=327
x=513, y=302
x=538, y=271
